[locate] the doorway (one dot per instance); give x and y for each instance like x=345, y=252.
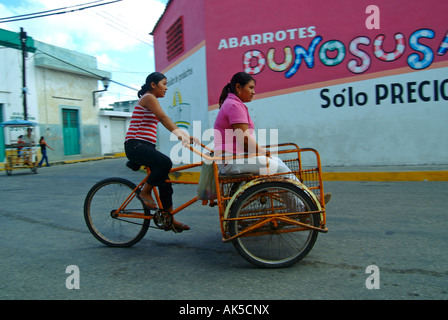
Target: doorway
x=70, y=127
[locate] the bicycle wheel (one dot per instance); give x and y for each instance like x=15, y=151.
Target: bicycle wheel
x=276, y=243
x=101, y=202
x=8, y=166
x=33, y=168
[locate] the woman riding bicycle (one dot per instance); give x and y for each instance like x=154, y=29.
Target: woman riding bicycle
x=140, y=143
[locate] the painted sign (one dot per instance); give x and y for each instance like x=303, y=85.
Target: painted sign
x=179, y=111
x=185, y=101
x=306, y=46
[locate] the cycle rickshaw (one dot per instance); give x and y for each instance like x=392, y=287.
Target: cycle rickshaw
x=273, y=221
x=19, y=155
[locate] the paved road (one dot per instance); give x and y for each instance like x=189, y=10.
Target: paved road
x=398, y=227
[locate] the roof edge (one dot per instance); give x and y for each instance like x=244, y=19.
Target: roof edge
x=161, y=17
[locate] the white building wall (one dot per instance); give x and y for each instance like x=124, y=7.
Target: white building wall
x=185, y=102
x=113, y=128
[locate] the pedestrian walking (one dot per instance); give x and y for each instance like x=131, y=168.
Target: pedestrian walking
x=43, y=150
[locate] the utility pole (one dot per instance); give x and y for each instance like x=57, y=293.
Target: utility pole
x=23, y=38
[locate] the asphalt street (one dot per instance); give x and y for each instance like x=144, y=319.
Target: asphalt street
x=399, y=228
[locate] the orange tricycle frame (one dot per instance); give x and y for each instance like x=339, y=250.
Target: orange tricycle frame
x=272, y=220
x=310, y=177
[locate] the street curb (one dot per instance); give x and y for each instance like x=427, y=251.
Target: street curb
x=53, y=163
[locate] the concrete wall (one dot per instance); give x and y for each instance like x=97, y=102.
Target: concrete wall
x=63, y=86
x=185, y=101
x=113, y=127
x=60, y=90
x=57, y=79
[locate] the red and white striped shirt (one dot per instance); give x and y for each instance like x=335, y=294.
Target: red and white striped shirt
x=143, y=125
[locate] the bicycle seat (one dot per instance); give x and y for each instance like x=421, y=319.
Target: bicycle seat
x=132, y=165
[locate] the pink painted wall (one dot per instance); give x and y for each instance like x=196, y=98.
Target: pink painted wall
x=236, y=29
x=194, y=29
x=294, y=45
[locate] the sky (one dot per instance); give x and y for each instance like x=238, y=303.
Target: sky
x=117, y=34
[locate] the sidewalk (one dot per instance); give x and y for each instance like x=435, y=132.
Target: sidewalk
x=349, y=173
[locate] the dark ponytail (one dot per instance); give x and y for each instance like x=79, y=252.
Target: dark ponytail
x=224, y=94
x=241, y=78
x=155, y=77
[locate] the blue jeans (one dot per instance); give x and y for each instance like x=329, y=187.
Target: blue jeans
x=144, y=153
x=44, y=157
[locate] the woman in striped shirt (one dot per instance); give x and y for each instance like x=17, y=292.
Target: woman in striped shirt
x=141, y=140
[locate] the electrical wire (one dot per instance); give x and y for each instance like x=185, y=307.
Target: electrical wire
x=119, y=25
x=123, y=30
x=124, y=24
x=47, y=11
x=51, y=12
x=85, y=70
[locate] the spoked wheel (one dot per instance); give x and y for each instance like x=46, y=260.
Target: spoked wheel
x=274, y=242
x=33, y=168
x=8, y=166
x=100, y=206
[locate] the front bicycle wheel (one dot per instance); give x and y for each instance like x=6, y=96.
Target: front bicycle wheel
x=273, y=241
x=100, y=206
x=8, y=166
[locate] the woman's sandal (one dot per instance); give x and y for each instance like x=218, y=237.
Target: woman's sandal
x=179, y=228
x=149, y=204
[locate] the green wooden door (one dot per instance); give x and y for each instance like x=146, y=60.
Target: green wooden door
x=70, y=131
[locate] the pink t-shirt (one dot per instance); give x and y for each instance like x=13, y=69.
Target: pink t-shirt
x=232, y=111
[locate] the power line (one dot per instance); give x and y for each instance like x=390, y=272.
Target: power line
x=47, y=11
x=123, y=29
x=51, y=12
x=125, y=24
x=85, y=70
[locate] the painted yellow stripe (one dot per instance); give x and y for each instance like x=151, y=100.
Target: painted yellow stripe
x=386, y=176
x=351, y=176
x=185, y=176
x=435, y=175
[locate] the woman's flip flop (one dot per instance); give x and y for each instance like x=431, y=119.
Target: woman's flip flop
x=149, y=204
x=179, y=228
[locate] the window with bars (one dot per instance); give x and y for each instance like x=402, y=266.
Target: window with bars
x=175, y=39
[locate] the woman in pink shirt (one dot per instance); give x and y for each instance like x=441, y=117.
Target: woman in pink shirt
x=234, y=131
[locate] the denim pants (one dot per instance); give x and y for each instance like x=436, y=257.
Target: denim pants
x=44, y=157
x=145, y=154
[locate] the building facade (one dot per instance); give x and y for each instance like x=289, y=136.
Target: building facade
x=364, y=85
x=60, y=97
